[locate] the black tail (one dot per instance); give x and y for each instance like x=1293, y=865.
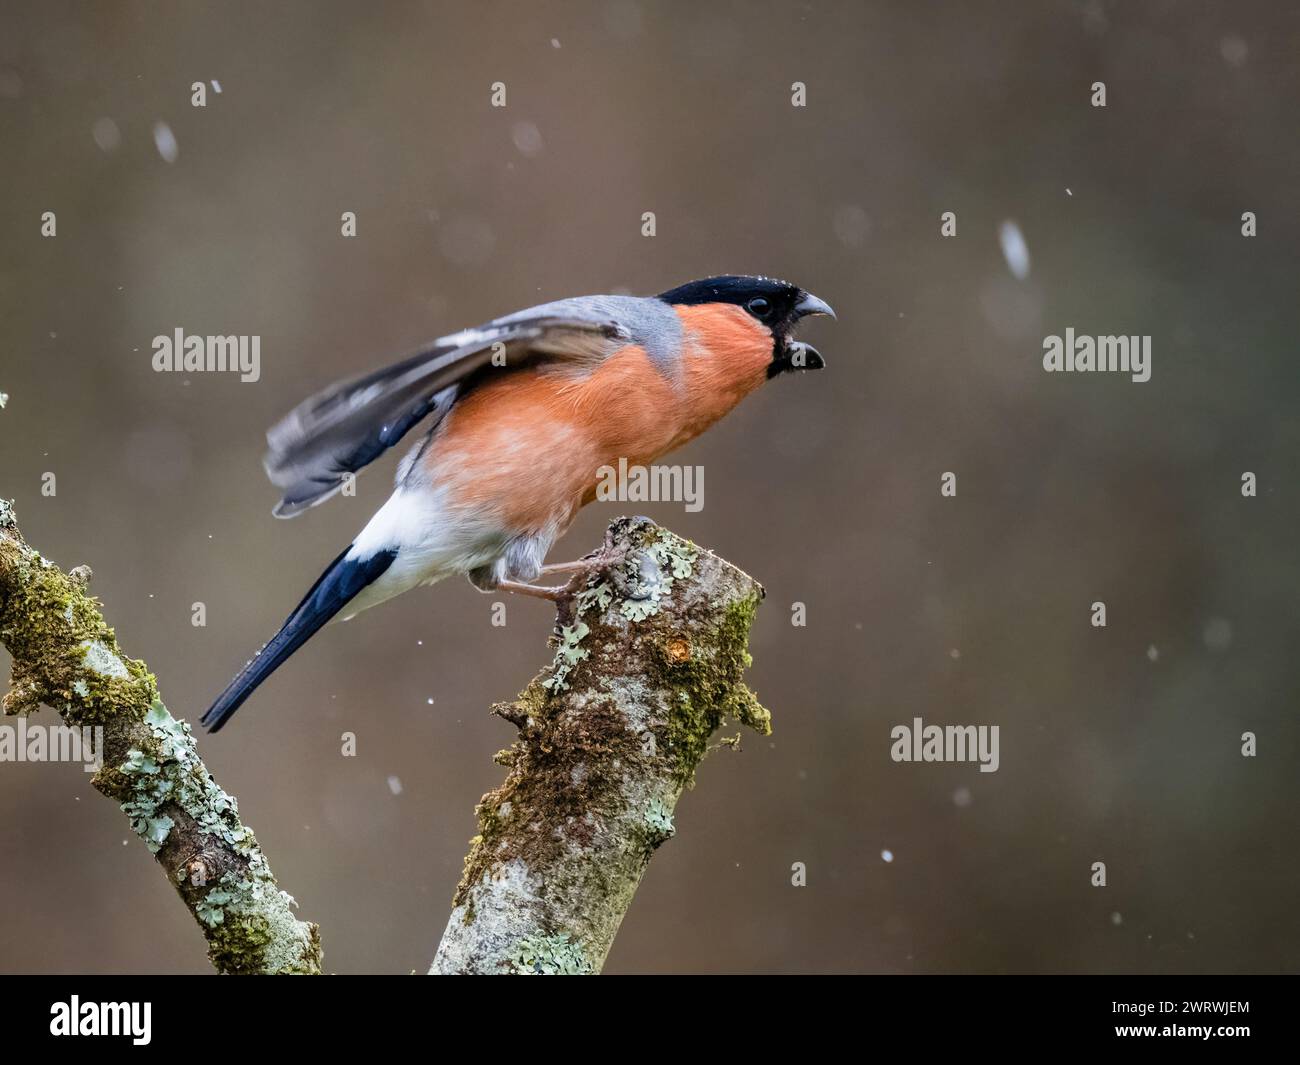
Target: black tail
x=341, y=581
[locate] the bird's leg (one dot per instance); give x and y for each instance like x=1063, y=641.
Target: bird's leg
x=537, y=591
x=584, y=568
x=581, y=565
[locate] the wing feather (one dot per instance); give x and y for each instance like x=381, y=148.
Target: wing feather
x=341, y=429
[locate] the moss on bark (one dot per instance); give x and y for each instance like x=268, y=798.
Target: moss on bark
x=66, y=656
x=649, y=664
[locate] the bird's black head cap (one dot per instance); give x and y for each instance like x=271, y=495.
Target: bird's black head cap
x=778, y=298
x=777, y=304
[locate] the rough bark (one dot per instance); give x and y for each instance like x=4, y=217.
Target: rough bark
x=66, y=656
x=651, y=653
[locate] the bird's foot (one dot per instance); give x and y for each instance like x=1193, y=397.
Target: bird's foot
x=580, y=571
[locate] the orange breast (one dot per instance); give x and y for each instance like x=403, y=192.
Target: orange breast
x=526, y=447
x=727, y=354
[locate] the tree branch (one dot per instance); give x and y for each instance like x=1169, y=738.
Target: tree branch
x=649, y=664
x=66, y=656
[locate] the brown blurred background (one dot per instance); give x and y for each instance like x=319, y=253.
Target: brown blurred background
x=826, y=487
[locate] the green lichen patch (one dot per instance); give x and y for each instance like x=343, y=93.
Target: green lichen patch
x=101, y=659
x=659, y=822
x=211, y=908
x=246, y=918
x=645, y=577
x=596, y=596
x=649, y=574
x=163, y=775
x=555, y=955
x=567, y=655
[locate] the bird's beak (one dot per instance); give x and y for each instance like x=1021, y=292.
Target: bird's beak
x=810, y=304
x=802, y=356
x=796, y=355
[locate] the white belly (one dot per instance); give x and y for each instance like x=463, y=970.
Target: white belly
x=432, y=541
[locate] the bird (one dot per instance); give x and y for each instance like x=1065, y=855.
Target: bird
x=522, y=412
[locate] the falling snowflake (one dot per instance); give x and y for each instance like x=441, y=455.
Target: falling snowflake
x=1014, y=249
x=106, y=134
x=165, y=140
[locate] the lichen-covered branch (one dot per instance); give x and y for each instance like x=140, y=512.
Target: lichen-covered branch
x=649, y=664
x=65, y=656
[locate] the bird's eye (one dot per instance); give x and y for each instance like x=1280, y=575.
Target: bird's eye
x=758, y=306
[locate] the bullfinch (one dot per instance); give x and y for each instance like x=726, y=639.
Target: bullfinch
x=522, y=412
